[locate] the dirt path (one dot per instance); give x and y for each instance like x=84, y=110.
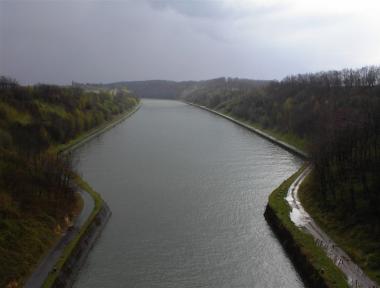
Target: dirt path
x=356, y=277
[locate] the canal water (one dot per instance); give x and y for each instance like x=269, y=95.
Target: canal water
x=188, y=191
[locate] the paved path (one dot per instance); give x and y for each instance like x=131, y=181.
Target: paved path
x=356, y=277
x=47, y=264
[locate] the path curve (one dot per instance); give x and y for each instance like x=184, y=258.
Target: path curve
x=47, y=264
x=355, y=275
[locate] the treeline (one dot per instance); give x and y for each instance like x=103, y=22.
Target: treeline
x=155, y=89
x=337, y=113
x=163, y=89
x=37, y=191
x=32, y=118
x=368, y=76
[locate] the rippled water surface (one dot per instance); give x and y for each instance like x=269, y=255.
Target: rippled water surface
x=188, y=191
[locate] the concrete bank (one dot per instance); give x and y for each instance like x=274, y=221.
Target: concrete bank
x=354, y=274
x=65, y=270
x=71, y=267
x=97, y=131
x=272, y=139
x=309, y=274
x=46, y=265
x=310, y=260
x=296, y=251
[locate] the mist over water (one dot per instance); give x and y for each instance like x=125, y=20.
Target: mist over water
x=188, y=191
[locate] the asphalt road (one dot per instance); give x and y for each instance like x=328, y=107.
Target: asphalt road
x=355, y=275
x=47, y=263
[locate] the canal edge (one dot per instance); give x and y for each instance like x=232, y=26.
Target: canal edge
x=282, y=144
x=64, y=272
x=72, y=145
x=311, y=262
x=311, y=275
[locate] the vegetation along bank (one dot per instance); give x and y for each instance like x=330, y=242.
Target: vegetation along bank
x=38, y=186
x=333, y=117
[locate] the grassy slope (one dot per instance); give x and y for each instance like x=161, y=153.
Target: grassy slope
x=289, y=138
x=21, y=241
x=25, y=240
x=94, y=131
x=357, y=240
x=332, y=275
x=70, y=247
x=86, y=187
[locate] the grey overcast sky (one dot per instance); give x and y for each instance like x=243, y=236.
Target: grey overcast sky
x=59, y=41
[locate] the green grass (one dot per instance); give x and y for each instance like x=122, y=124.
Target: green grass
x=357, y=239
x=71, y=246
x=82, y=138
x=332, y=276
x=288, y=138
x=13, y=115
x=25, y=239
x=22, y=242
x=46, y=108
x=86, y=187
x=27, y=235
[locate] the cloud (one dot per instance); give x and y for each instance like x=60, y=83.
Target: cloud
x=198, y=9
x=104, y=41
x=219, y=9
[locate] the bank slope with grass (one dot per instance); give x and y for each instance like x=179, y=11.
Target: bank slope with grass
x=64, y=271
x=333, y=116
x=296, y=146
x=38, y=198
x=355, y=237
x=311, y=261
x=314, y=266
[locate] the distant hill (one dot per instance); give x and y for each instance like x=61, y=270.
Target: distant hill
x=163, y=89
x=154, y=88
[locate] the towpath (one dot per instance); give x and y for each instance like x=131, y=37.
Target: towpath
x=355, y=275
x=48, y=262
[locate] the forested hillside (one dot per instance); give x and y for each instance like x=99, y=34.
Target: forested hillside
x=155, y=89
x=37, y=193
x=335, y=116
x=162, y=89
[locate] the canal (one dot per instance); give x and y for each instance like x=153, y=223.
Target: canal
x=188, y=191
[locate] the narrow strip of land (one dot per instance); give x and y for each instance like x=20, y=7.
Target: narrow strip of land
x=87, y=136
x=47, y=264
x=355, y=275
x=280, y=143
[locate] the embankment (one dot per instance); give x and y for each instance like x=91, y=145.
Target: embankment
x=67, y=268
x=300, y=260
x=77, y=142
x=270, y=138
x=310, y=260
x=315, y=268
x=71, y=267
